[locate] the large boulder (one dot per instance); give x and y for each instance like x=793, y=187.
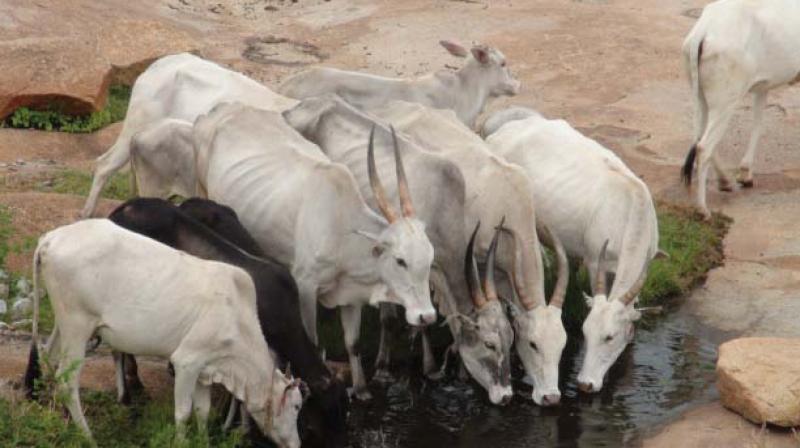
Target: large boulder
x=65, y=54
x=759, y=378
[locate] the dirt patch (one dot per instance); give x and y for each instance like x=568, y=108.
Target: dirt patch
x=36, y=213
x=281, y=51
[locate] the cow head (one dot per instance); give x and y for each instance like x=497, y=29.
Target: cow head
x=277, y=417
x=540, y=333
x=402, y=253
x=608, y=328
x=325, y=414
x=486, y=66
x=484, y=338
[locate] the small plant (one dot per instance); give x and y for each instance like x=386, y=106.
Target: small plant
x=54, y=119
x=79, y=183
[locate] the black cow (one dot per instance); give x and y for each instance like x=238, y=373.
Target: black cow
x=212, y=236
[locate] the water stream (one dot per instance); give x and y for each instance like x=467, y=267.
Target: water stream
x=668, y=368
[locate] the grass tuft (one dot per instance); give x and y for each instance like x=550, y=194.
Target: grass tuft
x=53, y=118
x=79, y=183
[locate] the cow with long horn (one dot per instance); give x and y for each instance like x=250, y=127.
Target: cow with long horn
x=586, y=195
x=308, y=213
x=608, y=328
x=486, y=353
x=541, y=362
x=494, y=189
x=438, y=188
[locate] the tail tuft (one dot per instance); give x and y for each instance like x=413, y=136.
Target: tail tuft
x=688, y=165
x=32, y=373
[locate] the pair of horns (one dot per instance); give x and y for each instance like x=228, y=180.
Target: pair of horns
x=560, y=290
x=403, y=192
x=600, y=286
x=480, y=297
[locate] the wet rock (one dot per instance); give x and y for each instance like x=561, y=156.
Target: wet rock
x=759, y=378
x=21, y=307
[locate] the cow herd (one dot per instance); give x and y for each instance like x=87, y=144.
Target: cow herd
x=342, y=189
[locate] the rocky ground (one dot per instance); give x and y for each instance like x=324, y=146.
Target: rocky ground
x=611, y=67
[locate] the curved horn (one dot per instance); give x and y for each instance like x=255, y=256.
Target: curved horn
x=375, y=182
x=489, y=286
x=600, y=276
x=516, y=273
x=560, y=291
x=406, y=205
x=471, y=272
x=636, y=288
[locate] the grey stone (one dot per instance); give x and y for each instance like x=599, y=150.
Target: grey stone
x=21, y=307
x=23, y=287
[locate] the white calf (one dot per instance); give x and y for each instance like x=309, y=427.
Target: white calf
x=145, y=298
x=735, y=48
x=485, y=75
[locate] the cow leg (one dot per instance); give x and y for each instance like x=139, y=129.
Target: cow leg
x=745, y=177
x=723, y=182
x=308, y=307
x=351, y=323
x=428, y=360
x=185, y=382
x=717, y=125
x=132, y=380
x=69, y=367
x=119, y=370
x=231, y=413
x=109, y=163
x=388, y=317
x=201, y=400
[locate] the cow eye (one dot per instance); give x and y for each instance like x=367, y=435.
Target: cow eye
x=503, y=64
x=402, y=263
x=609, y=338
x=534, y=347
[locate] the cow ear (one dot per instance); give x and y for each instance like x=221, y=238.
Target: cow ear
x=454, y=48
x=481, y=53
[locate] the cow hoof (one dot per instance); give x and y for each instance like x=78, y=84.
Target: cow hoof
x=383, y=376
x=725, y=185
x=437, y=375
x=747, y=183
x=361, y=394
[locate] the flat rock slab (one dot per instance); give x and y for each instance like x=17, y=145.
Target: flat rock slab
x=713, y=426
x=759, y=378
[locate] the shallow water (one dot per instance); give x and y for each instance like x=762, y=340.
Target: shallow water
x=669, y=366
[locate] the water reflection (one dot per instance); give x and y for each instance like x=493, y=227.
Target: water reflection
x=669, y=366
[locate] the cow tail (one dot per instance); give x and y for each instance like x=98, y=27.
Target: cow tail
x=694, y=51
x=33, y=371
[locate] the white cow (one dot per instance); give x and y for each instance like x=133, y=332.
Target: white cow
x=183, y=87
x=162, y=159
x=735, y=48
x=309, y=214
x=481, y=331
x=485, y=75
x=495, y=191
x=594, y=204
x=145, y=298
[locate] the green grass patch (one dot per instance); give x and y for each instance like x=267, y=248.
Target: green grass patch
x=694, y=247
x=54, y=119
x=146, y=423
x=79, y=183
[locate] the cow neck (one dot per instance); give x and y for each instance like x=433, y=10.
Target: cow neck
x=469, y=95
x=636, y=245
